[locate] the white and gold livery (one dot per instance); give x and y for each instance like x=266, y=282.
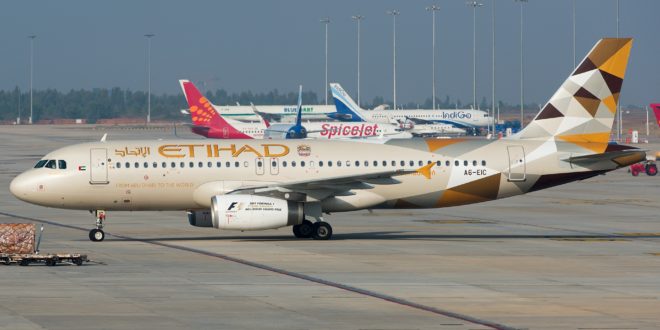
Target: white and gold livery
x=265, y=184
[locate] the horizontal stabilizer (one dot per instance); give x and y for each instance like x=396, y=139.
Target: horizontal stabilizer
x=620, y=158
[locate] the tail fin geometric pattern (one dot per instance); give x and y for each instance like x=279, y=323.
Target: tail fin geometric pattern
x=582, y=110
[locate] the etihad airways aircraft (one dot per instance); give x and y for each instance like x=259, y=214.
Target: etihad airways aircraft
x=268, y=184
x=348, y=110
x=208, y=123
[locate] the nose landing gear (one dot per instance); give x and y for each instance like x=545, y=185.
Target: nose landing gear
x=97, y=234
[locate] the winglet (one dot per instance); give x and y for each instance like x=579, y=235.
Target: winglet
x=105, y=136
x=426, y=170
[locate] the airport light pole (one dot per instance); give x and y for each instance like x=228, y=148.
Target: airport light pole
x=326, y=21
x=358, y=19
x=474, y=5
x=522, y=72
x=394, y=14
x=149, y=36
x=31, y=72
x=433, y=9
x=647, y=121
x=619, y=125
x=492, y=112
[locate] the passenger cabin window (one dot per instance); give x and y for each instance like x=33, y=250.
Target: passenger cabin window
x=172, y=164
x=128, y=165
x=182, y=164
x=61, y=164
x=146, y=165
x=191, y=164
x=164, y=164
x=483, y=163
x=456, y=163
x=137, y=165
x=154, y=165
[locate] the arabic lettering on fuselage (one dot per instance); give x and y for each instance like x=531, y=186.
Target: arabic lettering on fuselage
x=331, y=130
x=216, y=150
x=136, y=151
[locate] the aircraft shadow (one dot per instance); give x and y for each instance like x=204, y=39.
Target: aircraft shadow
x=390, y=235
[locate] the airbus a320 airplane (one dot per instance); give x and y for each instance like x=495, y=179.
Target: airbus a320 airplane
x=257, y=185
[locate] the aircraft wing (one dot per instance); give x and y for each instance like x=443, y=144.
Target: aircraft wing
x=418, y=121
x=332, y=186
x=270, y=117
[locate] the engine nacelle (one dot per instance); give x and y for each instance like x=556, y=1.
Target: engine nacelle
x=200, y=218
x=250, y=212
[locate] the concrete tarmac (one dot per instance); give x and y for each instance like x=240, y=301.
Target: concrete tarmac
x=585, y=255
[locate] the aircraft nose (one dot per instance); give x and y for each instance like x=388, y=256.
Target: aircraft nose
x=19, y=187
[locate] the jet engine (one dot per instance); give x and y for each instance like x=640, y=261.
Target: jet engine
x=251, y=212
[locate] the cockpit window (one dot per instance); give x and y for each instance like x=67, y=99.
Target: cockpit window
x=61, y=164
x=50, y=164
x=41, y=163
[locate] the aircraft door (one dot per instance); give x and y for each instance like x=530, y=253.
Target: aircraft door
x=517, y=165
x=274, y=166
x=98, y=169
x=259, y=166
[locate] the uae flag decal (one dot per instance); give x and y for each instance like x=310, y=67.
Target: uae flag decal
x=82, y=168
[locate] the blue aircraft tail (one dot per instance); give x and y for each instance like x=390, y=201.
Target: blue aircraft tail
x=347, y=109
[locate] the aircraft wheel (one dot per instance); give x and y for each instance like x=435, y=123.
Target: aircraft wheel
x=321, y=231
x=96, y=235
x=303, y=230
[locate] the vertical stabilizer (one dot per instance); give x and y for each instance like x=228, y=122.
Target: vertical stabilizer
x=206, y=121
x=346, y=107
x=656, y=112
x=582, y=110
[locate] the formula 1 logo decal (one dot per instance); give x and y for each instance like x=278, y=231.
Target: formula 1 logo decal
x=234, y=206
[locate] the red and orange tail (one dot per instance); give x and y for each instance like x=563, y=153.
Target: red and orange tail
x=656, y=112
x=202, y=112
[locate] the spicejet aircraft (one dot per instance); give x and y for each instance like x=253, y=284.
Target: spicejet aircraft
x=348, y=110
x=257, y=185
x=208, y=123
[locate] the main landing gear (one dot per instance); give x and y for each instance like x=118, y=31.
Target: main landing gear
x=319, y=230
x=97, y=234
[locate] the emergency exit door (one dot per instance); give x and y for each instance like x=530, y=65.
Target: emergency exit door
x=517, y=165
x=98, y=169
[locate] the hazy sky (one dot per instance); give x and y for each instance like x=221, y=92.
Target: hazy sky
x=262, y=45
